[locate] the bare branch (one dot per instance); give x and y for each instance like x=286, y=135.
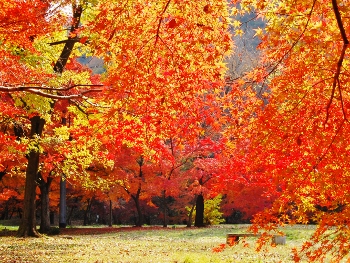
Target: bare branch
x=295, y=42
x=26, y=86
x=39, y=91
x=340, y=22
x=340, y=61
x=160, y=21
x=65, y=41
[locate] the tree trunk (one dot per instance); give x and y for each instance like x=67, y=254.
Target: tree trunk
x=87, y=214
x=190, y=214
x=5, y=214
x=165, y=210
x=69, y=217
x=110, y=214
x=69, y=43
x=45, y=204
x=199, y=220
x=2, y=174
x=139, y=220
x=28, y=224
x=63, y=203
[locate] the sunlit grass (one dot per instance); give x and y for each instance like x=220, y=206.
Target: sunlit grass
x=149, y=245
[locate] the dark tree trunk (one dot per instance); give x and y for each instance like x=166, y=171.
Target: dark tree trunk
x=139, y=220
x=5, y=214
x=19, y=211
x=69, y=217
x=63, y=202
x=69, y=43
x=136, y=197
x=45, y=204
x=165, y=210
x=110, y=213
x=28, y=224
x=199, y=220
x=2, y=174
x=87, y=214
x=59, y=67
x=190, y=214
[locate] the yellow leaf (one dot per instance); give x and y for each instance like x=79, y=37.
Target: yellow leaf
x=239, y=32
x=258, y=32
x=236, y=23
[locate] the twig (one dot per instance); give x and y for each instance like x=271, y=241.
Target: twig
x=160, y=21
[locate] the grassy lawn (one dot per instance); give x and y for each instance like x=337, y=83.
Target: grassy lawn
x=122, y=244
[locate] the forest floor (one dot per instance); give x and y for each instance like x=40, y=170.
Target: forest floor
x=146, y=244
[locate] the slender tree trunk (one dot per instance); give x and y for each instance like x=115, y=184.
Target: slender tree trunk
x=87, y=214
x=199, y=220
x=110, y=214
x=45, y=204
x=59, y=67
x=69, y=217
x=190, y=214
x=139, y=213
x=165, y=210
x=139, y=221
x=28, y=224
x=19, y=211
x=2, y=174
x=63, y=203
x=5, y=214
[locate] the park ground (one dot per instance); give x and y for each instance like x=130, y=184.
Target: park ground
x=147, y=244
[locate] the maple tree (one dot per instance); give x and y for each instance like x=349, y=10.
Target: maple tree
x=162, y=58
x=158, y=64
x=29, y=90
x=298, y=133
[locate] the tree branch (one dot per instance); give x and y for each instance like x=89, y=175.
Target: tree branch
x=340, y=60
x=340, y=22
x=26, y=86
x=38, y=91
x=69, y=44
x=160, y=21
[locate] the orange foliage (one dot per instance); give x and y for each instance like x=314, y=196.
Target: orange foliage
x=298, y=137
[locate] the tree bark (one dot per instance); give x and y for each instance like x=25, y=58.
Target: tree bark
x=110, y=214
x=199, y=220
x=2, y=174
x=165, y=210
x=45, y=204
x=69, y=217
x=5, y=214
x=63, y=203
x=190, y=214
x=28, y=224
x=69, y=43
x=59, y=67
x=139, y=221
x=87, y=214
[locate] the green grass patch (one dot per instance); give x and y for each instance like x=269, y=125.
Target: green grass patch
x=9, y=224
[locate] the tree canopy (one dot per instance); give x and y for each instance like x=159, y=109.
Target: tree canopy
x=165, y=119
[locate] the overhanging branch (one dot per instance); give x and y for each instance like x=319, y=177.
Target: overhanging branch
x=38, y=90
x=336, y=82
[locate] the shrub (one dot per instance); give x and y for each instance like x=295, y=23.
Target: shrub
x=212, y=213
